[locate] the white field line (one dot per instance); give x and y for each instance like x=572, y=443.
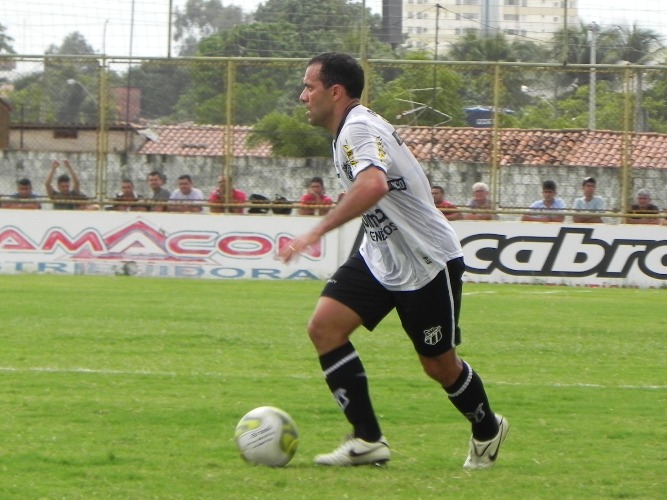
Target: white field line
x=92, y=371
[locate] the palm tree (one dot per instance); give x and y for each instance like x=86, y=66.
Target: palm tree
x=635, y=45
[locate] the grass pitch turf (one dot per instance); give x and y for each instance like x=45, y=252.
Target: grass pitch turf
x=119, y=387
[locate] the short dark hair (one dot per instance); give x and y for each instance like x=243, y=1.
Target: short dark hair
x=63, y=178
x=317, y=180
x=159, y=174
x=24, y=182
x=337, y=68
x=185, y=176
x=588, y=180
x=549, y=186
x=440, y=188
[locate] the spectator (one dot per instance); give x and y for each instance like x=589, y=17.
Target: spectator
x=315, y=196
x=438, y=193
x=186, y=198
x=22, y=195
x=161, y=194
x=549, y=201
x=480, y=201
x=219, y=197
x=68, y=188
x=589, y=202
x=127, y=194
x=643, y=206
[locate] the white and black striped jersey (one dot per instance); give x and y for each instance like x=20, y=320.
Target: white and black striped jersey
x=407, y=239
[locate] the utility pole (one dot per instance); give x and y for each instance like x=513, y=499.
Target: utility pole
x=594, y=28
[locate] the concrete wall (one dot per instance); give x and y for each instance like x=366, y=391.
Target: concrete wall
x=520, y=185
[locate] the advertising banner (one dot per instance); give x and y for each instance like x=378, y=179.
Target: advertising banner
x=245, y=247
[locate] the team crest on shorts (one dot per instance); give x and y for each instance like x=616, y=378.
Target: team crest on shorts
x=433, y=335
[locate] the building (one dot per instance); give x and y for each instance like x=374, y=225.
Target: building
x=427, y=22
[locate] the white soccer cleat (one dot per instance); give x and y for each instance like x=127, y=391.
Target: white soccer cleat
x=355, y=451
x=483, y=454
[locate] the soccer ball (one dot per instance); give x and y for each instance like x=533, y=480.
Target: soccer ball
x=267, y=436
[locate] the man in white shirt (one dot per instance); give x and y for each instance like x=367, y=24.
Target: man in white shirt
x=186, y=198
x=410, y=260
x=588, y=202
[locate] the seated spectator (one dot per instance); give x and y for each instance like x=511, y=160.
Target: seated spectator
x=24, y=196
x=643, y=206
x=68, y=188
x=549, y=201
x=186, y=198
x=219, y=197
x=480, y=201
x=127, y=194
x=160, y=194
x=589, y=202
x=438, y=193
x=315, y=196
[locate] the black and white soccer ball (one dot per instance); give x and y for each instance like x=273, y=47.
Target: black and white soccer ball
x=267, y=436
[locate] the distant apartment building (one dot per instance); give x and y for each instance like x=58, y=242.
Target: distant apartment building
x=426, y=22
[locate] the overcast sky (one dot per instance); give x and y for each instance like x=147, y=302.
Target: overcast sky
x=107, y=24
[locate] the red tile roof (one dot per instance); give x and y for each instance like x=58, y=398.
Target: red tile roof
x=469, y=145
x=199, y=140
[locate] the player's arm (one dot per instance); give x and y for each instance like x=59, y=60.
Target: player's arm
x=48, y=183
x=76, y=185
x=369, y=187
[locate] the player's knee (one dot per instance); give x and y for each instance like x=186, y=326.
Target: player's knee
x=316, y=331
x=444, y=369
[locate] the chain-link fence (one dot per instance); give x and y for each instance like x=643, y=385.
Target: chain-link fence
x=510, y=125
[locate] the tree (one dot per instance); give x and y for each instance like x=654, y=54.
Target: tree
x=291, y=135
x=162, y=84
x=479, y=88
x=202, y=18
x=422, y=95
x=6, y=48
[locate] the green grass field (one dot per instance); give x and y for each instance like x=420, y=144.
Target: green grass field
x=130, y=388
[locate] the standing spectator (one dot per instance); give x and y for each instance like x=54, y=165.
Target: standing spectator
x=480, y=201
x=219, y=197
x=161, y=194
x=410, y=260
x=24, y=196
x=588, y=202
x=549, y=201
x=438, y=193
x=315, y=196
x=127, y=194
x=67, y=187
x=643, y=206
x=186, y=198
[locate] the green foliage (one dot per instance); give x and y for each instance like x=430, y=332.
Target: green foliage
x=291, y=136
x=422, y=95
x=118, y=387
x=162, y=84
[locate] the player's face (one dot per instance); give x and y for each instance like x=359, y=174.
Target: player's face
x=316, y=97
x=549, y=195
x=479, y=194
x=185, y=186
x=589, y=189
x=24, y=191
x=154, y=181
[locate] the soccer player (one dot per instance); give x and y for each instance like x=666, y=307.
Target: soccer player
x=410, y=259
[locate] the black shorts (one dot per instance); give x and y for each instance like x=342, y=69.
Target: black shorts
x=430, y=315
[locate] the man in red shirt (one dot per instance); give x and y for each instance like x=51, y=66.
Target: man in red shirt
x=219, y=196
x=439, y=199
x=315, y=196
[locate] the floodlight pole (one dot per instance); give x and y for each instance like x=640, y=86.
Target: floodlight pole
x=594, y=28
